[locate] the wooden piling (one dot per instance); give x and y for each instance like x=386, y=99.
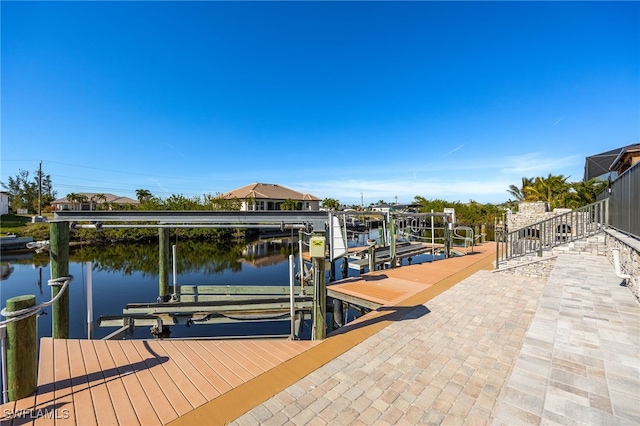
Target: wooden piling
x=164, y=263
x=59, y=256
x=319, y=276
x=21, y=350
x=372, y=258
x=392, y=241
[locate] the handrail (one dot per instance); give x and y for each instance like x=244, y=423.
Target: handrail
x=616, y=263
x=552, y=232
x=464, y=238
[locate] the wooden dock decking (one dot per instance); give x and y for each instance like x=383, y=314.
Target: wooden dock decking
x=131, y=382
x=208, y=381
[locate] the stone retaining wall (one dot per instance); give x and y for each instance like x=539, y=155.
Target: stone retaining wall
x=629, y=257
x=596, y=245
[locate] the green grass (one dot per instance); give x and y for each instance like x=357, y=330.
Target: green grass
x=13, y=224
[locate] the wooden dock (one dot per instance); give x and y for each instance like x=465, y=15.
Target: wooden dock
x=213, y=382
x=133, y=382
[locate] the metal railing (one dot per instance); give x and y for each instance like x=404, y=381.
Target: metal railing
x=558, y=230
x=624, y=201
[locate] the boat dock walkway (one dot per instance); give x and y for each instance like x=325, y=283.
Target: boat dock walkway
x=454, y=343
x=493, y=349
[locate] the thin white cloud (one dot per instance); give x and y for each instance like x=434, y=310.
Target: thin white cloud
x=558, y=121
x=536, y=163
x=456, y=149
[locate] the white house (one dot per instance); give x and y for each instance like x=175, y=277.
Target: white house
x=4, y=202
x=92, y=201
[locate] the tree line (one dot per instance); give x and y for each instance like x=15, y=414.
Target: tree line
x=24, y=193
x=555, y=190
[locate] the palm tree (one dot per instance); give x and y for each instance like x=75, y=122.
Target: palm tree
x=584, y=193
x=331, y=204
x=289, y=204
x=143, y=195
x=75, y=198
x=553, y=189
x=519, y=193
x=98, y=197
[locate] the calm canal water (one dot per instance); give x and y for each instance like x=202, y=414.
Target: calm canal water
x=125, y=274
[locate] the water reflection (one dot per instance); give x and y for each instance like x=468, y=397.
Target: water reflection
x=131, y=258
x=128, y=273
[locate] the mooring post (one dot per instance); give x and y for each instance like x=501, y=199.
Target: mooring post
x=317, y=253
x=59, y=256
x=372, y=255
x=21, y=350
x=164, y=264
x=392, y=240
x=447, y=237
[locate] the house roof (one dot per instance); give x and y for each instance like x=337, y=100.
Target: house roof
x=109, y=198
x=599, y=164
x=269, y=191
x=620, y=159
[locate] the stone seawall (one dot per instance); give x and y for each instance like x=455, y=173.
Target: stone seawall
x=629, y=257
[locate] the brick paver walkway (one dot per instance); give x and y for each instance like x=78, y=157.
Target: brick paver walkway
x=495, y=348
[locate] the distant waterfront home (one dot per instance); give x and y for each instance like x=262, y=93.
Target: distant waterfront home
x=386, y=208
x=92, y=201
x=269, y=196
x=4, y=202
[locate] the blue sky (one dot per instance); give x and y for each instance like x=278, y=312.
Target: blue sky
x=357, y=101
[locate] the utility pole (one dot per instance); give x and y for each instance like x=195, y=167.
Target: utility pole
x=40, y=189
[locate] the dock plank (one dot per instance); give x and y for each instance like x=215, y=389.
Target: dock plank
x=258, y=350
x=182, y=382
x=154, y=363
x=160, y=402
x=80, y=386
x=222, y=379
x=102, y=404
x=283, y=351
x=122, y=406
x=63, y=392
x=141, y=404
x=249, y=368
x=8, y=412
x=226, y=363
x=204, y=350
x=45, y=397
x=179, y=353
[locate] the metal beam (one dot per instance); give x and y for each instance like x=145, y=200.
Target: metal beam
x=353, y=300
x=245, y=219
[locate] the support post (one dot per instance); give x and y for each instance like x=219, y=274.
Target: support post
x=300, y=261
x=59, y=256
x=372, y=257
x=89, y=300
x=21, y=350
x=317, y=253
x=320, y=296
x=392, y=240
x=164, y=264
x=292, y=310
x=332, y=263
